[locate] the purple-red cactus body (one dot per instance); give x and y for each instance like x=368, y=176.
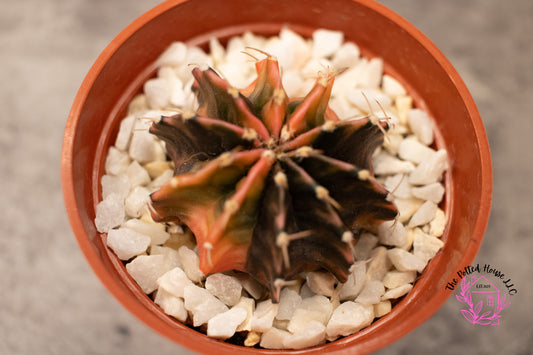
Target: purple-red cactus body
x=269, y=185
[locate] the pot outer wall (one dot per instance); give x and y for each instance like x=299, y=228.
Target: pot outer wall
x=119, y=72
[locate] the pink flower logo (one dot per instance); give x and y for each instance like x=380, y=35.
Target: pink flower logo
x=484, y=300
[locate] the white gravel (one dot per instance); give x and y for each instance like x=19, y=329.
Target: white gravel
x=163, y=259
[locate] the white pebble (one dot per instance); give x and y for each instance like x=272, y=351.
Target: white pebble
x=158, y=91
x=138, y=104
x=423, y=215
x=371, y=77
x=156, y=168
x=249, y=305
x=109, y=213
x=174, y=281
x=432, y=192
x=392, y=233
x=305, y=291
x=392, y=87
x=179, y=95
x=346, y=56
x=145, y=270
x=115, y=184
x=174, y=55
x=161, y=179
x=386, y=164
x=393, y=141
x=263, y=316
x=198, y=56
x=202, y=304
x=371, y=293
x=169, y=74
x=437, y=225
x=307, y=85
x=171, y=305
x=234, y=74
x=171, y=256
x=137, y=175
x=156, y=232
x=321, y=282
x=195, y=56
x=355, y=283
x=410, y=238
x=142, y=147
x=136, y=204
x=224, y=325
x=364, y=246
x=403, y=104
x=124, y=133
x=425, y=247
x=251, y=286
x=368, y=100
x=430, y=171
x=191, y=264
x=159, y=151
x=405, y=261
x=297, y=50
x=382, y=308
x=116, y=162
x=292, y=83
x=397, y=292
x=252, y=40
x=398, y=185
x=315, y=308
x=378, y=265
x=397, y=278
x=226, y=288
x=127, y=243
x=411, y=149
x=313, y=334
x=344, y=109
x=421, y=125
x=348, y=318
x=317, y=302
x=346, y=81
x=407, y=207
x=315, y=66
x=326, y=42
x=274, y=339
x=234, y=47
x=289, y=300
x=216, y=50
x=175, y=229
x=280, y=324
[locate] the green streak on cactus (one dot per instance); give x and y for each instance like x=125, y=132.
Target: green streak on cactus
x=269, y=185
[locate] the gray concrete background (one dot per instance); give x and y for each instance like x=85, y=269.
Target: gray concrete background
x=51, y=301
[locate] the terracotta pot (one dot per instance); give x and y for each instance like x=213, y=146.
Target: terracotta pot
x=120, y=70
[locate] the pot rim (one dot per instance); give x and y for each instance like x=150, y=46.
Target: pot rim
x=139, y=309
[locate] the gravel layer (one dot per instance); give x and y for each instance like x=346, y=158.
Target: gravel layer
x=162, y=258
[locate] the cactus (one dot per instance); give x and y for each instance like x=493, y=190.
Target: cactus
x=270, y=185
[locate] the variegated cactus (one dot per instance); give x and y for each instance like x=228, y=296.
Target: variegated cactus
x=270, y=185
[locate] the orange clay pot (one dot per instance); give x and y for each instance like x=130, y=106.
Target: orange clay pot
x=118, y=74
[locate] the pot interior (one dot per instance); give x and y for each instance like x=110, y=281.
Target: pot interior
x=128, y=62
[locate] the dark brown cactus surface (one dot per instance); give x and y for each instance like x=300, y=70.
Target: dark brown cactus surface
x=270, y=185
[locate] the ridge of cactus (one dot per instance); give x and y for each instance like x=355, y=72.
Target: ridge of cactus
x=270, y=185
